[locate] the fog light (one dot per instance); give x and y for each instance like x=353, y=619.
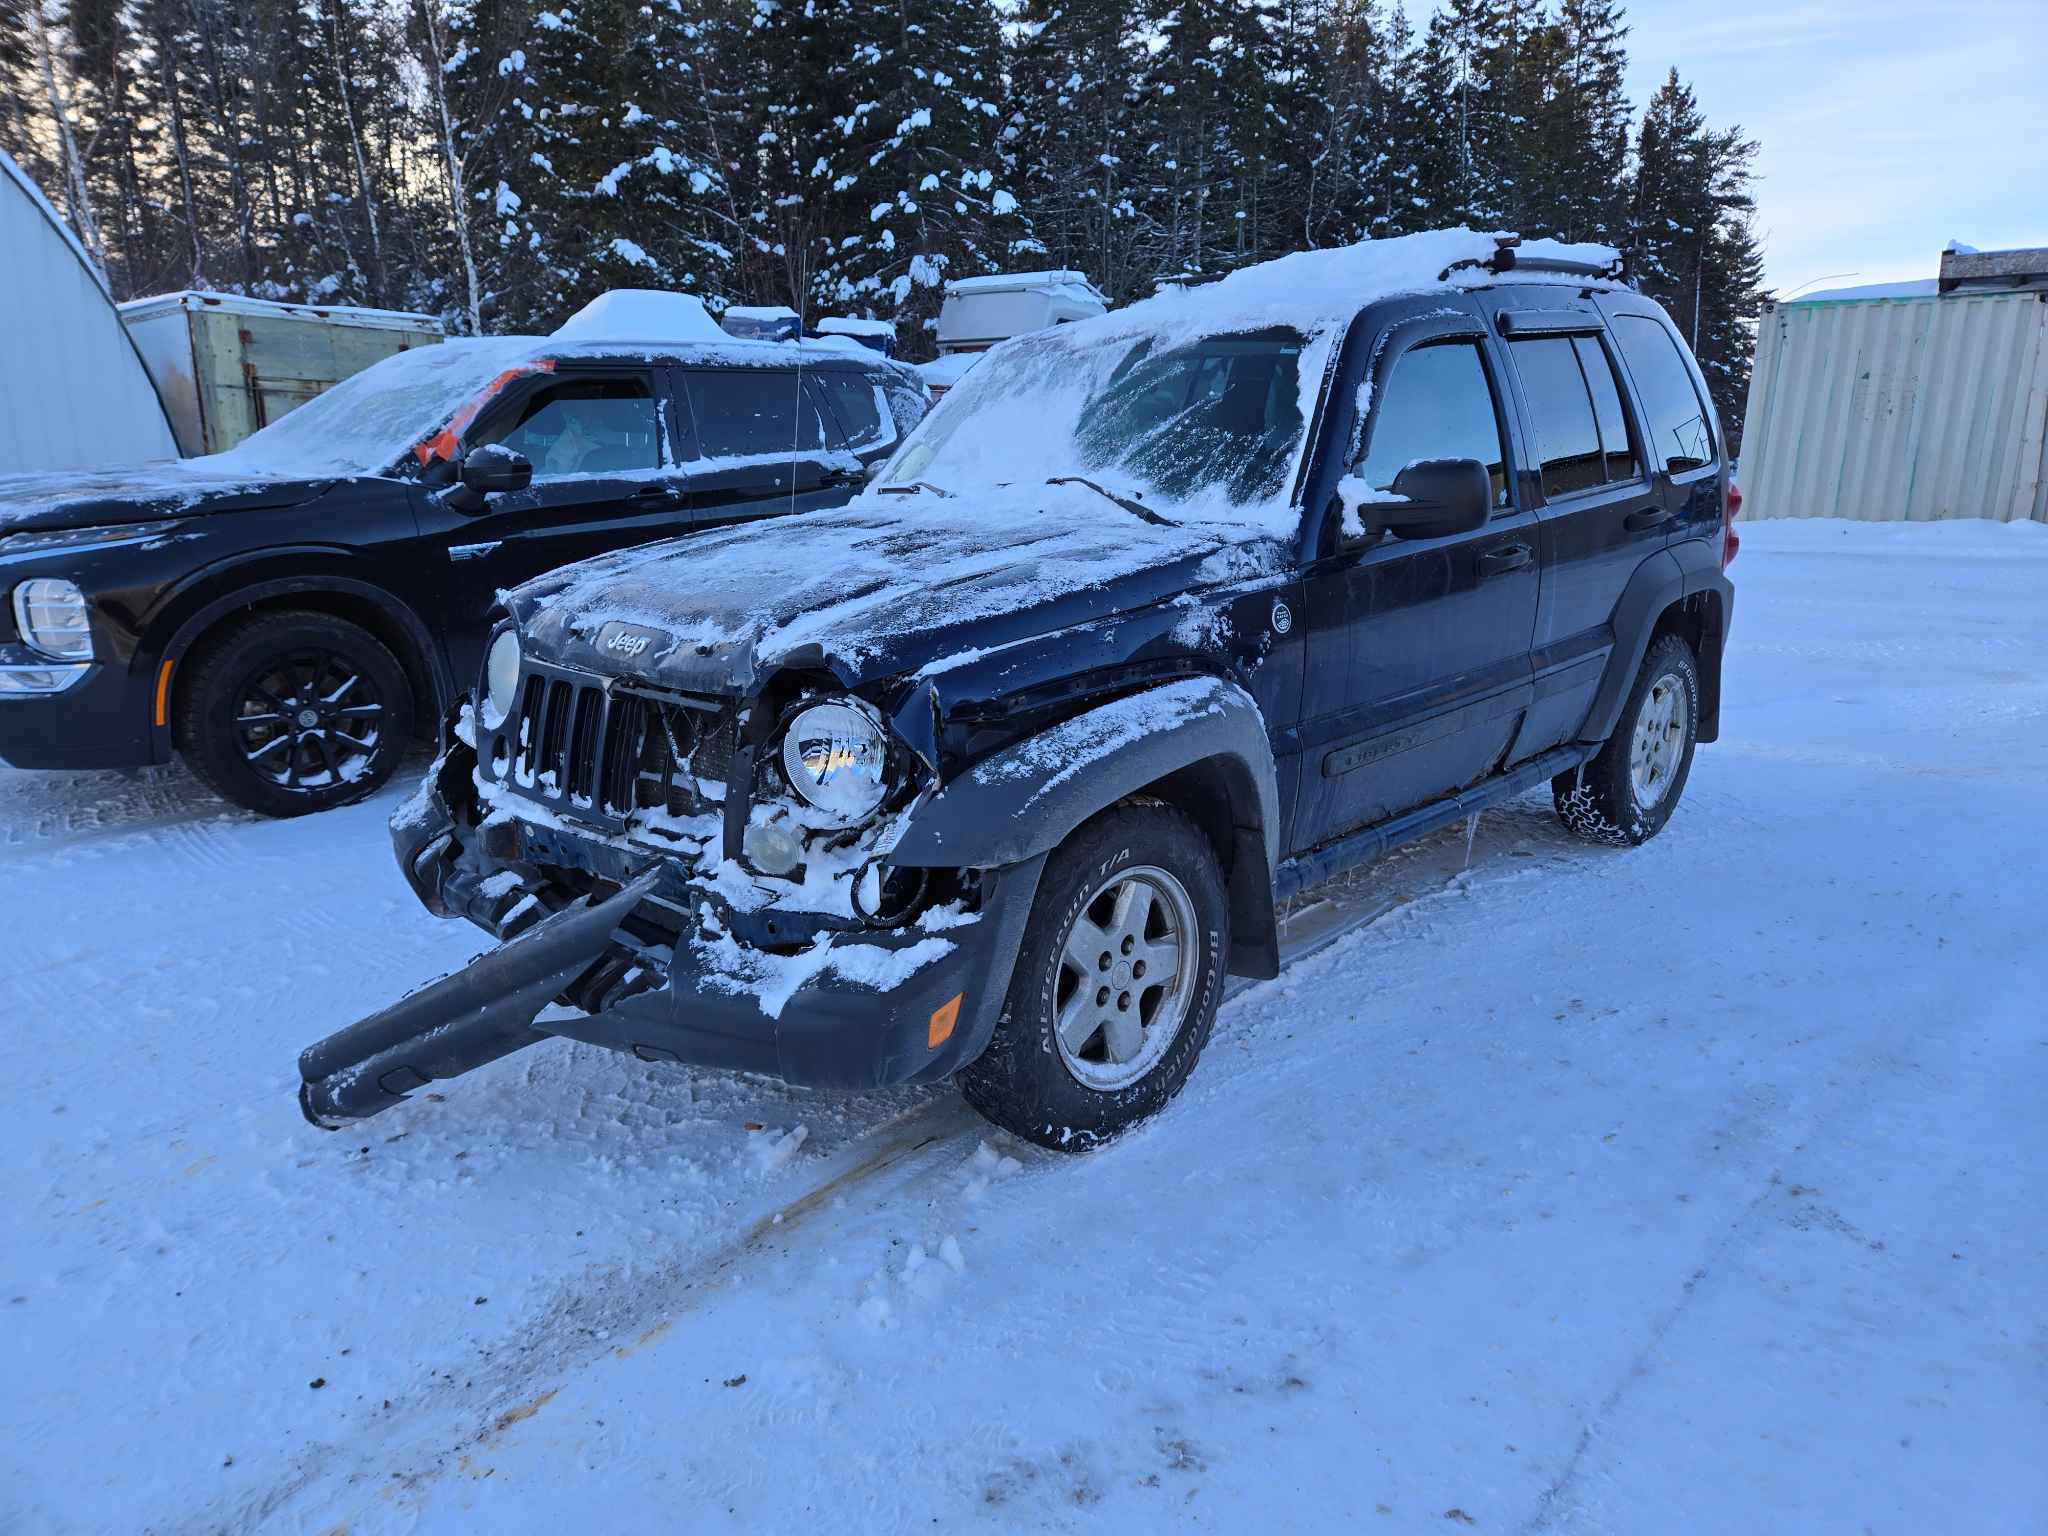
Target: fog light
x=772, y=850
x=19, y=681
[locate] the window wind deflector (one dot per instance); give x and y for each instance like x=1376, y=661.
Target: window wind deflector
x=1135, y=508
x=1548, y=322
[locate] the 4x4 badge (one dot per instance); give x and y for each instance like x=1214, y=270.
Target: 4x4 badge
x=1283, y=618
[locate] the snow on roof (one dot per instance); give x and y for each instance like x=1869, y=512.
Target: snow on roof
x=1013, y=282
x=641, y=314
x=1912, y=288
x=840, y=325
x=760, y=312
x=242, y=304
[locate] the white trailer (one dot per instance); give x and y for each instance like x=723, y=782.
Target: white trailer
x=1905, y=402
x=226, y=365
x=75, y=395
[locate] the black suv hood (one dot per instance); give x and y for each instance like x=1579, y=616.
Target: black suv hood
x=872, y=590
x=140, y=494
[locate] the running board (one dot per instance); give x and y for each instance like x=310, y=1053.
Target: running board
x=1317, y=865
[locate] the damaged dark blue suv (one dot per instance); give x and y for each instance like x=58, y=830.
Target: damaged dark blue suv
x=1156, y=620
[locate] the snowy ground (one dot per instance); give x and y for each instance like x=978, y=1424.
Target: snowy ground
x=1697, y=1187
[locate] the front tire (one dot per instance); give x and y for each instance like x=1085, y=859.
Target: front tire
x=293, y=712
x=1623, y=797
x=1116, y=985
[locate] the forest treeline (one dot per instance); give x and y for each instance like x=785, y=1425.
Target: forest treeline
x=498, y=162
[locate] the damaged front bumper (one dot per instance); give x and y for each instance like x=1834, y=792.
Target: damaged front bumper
x=639, y=958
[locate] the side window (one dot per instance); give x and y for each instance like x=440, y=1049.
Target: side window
x=1436, y=404
x=1560, y=414
x=753, y=413
x=1675, y=427
x=1598, y=368
x=583, y=427
x=862, y=408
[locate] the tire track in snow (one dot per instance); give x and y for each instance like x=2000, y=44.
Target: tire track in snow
x=891, y=1167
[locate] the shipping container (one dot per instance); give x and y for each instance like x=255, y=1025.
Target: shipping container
x=1912, y=402
x=226, y=365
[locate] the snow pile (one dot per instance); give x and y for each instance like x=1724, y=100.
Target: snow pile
x=945, y=372
x=641, y=314
x=839, y=325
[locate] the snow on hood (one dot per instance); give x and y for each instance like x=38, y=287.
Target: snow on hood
x=145, y=493
x=876, y=588
x=641, y=314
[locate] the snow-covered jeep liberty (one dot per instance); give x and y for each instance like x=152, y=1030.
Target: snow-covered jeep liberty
x=1158, y=619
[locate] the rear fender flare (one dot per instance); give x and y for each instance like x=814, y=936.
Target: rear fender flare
x=1667, y=578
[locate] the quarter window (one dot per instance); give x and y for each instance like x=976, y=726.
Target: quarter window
x=1436, y=404
x=753, y=413
x=862, y=409
x=1675, y=419
x=584, y=427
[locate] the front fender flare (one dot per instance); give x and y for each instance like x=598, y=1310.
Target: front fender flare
x=1021, y=803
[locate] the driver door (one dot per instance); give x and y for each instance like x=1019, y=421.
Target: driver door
x=604, y=476
x=1419, y=647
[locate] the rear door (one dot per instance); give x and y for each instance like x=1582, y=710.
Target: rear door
x=604, y=476
x=763, y=442
x=1418, y=649
x=1599, y=514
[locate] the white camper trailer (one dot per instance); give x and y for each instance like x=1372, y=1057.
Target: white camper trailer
x=75, y=395
x=226, y=365
x=978, y=312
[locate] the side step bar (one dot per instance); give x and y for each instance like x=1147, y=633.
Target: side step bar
x=1313, y=867
x=464, y=1020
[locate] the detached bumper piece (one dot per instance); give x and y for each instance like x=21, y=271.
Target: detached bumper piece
x=463, y=1021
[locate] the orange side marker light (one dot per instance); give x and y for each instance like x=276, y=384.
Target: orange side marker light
x=163, y=692
x=944, y=1017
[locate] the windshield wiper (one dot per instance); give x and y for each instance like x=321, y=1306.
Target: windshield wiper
x=1135, y=508
x=911, y=488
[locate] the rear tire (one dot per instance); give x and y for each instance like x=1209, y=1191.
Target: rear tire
x=1623, y=797
x=1094, y=1036
x=292, y=712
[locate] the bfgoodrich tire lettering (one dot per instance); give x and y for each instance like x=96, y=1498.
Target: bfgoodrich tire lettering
x=1071, y=1098
x=295, y=711
x=1623, y=797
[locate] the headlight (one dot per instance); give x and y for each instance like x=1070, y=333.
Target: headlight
x=50, y=613
x=501, y=678
x=836, y=757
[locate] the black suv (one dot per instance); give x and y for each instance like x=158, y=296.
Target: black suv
x=1158, y=619
x=281, y=614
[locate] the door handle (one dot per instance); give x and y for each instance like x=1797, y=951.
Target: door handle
x=1509, y=557
x=1645, y=518
x=654, y=496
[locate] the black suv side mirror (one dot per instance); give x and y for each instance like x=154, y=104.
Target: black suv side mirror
x=489, y=471
x=1441, y=497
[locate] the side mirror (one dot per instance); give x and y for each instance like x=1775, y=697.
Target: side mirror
x=1440, y=497
x=489, y=471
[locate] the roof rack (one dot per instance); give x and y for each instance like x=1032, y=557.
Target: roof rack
x=1507, y=257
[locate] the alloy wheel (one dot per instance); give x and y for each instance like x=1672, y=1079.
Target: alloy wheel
x=1126, y=979
x=308, y=720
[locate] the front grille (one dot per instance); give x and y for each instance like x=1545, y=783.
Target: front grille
x=603, y=752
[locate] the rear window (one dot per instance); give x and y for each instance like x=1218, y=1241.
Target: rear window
x=1675, y=419
x=752, y=412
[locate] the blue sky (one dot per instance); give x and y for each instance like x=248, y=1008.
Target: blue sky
x=1887, y=128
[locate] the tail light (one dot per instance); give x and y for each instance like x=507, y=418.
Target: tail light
x=1731, y=508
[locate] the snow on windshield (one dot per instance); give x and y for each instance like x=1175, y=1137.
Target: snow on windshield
x=1198, y=400
x=365, y=424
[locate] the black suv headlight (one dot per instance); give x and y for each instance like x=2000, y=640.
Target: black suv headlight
x=51, y=615
x=836, y=757
x=501, y=678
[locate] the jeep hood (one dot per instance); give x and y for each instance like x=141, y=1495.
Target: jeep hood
x=141, y=494
x=879, y=588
